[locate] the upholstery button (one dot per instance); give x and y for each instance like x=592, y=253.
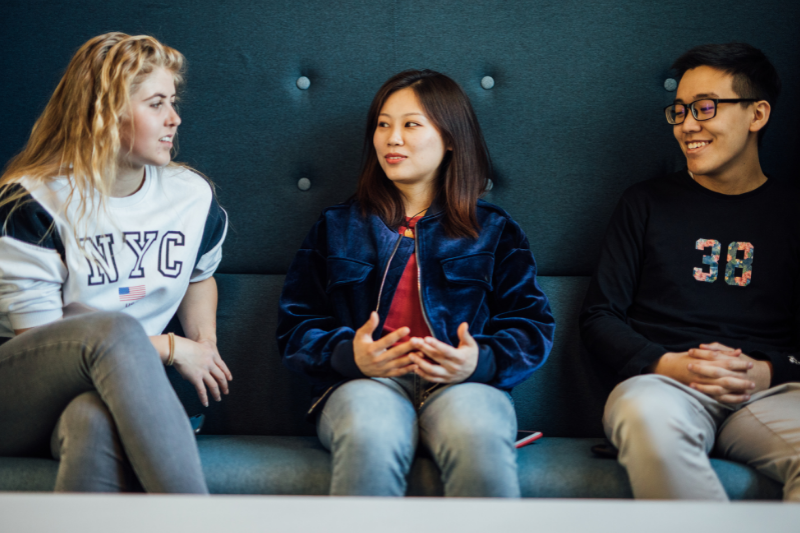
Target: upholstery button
x=303, y=83
x=487, y=82
x=304, y=184
x=670, y=84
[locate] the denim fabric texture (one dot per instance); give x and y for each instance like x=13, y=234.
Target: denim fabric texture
x=488, y=282
x=373, y=427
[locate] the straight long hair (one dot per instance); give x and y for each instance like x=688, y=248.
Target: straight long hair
x=465, y=171
x=78, y=134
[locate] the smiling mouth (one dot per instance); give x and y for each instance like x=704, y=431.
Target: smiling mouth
x=697, y=144
x=167, y=138
x=394, y=158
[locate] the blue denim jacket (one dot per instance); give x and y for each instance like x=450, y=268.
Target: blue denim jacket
x=350, y=265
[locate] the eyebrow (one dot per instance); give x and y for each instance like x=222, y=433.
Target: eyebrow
x=157, y=95
x=698, y=97
x=406, y=115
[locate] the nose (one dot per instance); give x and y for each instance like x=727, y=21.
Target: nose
x=395, y=136
x=690, y=124
x=173, y=119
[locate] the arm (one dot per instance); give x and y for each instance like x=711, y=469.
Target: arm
x=603, y=320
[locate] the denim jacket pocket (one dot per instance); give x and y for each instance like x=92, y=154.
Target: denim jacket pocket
x=473, y=269
x=344, y=271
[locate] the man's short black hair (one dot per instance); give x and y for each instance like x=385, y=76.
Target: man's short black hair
x=754, y=76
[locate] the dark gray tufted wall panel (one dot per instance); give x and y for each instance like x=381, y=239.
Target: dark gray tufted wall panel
x=564, y=71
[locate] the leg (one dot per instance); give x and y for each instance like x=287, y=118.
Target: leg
x=765, y=434
x=370, y=427
x=87, y=444
x=664, y=432
x=43, y=370
x=470, y=428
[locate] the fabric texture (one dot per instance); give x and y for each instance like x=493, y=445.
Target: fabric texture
x=337, y=279
x=682, y=265
x=143, y=251
x=45, y=375
x=373, y=427
x=664, y=432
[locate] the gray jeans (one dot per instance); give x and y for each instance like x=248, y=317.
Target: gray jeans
x=92, y=389
x=665, y=430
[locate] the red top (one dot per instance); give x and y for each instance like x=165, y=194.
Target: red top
x=405, y=309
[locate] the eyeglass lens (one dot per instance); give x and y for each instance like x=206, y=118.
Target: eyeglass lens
x=701, y=110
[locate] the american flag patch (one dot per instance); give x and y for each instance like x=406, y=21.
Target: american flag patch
x=129, y=294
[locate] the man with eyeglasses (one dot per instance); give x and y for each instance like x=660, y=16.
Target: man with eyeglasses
x=696, y=298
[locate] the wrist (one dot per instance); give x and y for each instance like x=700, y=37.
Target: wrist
x=161, y=344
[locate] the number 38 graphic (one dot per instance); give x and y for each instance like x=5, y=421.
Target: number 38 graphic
x=733, y=263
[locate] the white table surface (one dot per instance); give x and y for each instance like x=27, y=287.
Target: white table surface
x=57, y=513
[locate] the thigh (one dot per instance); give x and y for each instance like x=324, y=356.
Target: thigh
x=368, y=409
x=765, y=433
x=467, y=414
x=662, y=409
x=41, y=371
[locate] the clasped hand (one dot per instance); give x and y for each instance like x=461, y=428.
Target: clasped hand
x=716, y=370
x=431, y=359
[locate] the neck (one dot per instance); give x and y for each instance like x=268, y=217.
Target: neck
x=128, y=181
x=417, y=197
x=738, y=177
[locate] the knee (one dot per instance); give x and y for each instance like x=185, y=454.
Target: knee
x=115, y=324
x=85, y=422
x=118, y=336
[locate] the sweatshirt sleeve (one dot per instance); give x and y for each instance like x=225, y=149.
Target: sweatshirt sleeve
x=604, y=325
x=32, y=268
x=209, y=254
x=785, y=364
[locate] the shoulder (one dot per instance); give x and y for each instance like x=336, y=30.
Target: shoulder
x=511, y=234
x=656, y=188
x=24, y=218
x=185, y=180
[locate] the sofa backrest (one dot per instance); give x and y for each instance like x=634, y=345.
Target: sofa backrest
x=569, y=96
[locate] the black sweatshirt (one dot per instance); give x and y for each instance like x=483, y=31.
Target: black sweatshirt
x=659, y=286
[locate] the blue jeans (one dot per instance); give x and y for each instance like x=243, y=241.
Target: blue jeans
x=93, y=390
x=372, y=427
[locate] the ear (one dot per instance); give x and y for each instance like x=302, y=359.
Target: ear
x=761, y=113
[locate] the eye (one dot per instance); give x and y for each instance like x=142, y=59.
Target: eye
x=157, y=105
x=409, y=124
x=383, y=125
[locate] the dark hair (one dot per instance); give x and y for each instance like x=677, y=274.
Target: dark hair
x=754, y=76
x=465, y=170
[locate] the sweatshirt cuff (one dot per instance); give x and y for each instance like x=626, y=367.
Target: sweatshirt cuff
x=785, y=366
x=487, y=366
x=34, y=319
x=343, y=361
x=645, y=357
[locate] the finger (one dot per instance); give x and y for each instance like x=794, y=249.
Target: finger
x=213, y=388
x=429, y=377
x=711, y=371
x=712, y=355
x=465, y=337
x=401, y=371
x=395, y=363
x=438, y=350
x=394, y=352
x=201, y=389
x=387, y=340
x=220, y=379
x=716, y=346
x=222, y=366
x=369, y=326
x=720, y=394
x=428, y=368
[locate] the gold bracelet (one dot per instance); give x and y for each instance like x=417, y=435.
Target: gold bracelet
x=171, y=358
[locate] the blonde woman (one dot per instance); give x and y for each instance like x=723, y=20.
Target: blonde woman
x=98, y=223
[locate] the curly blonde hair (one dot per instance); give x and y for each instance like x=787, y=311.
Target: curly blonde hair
x=78, y=134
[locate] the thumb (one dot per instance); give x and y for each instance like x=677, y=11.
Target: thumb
x=370, y=325
x=465, y=339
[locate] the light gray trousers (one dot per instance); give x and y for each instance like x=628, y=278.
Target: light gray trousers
x=93, y=390
x=665, y=430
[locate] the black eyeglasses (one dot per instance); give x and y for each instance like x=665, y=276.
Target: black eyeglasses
x=704, y=109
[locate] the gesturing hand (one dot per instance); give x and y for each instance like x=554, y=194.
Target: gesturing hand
x=451, y=365
x=378, y=359
x=200, y=364
x=713, y=362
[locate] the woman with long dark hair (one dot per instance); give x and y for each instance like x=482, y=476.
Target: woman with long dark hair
x=414, y=307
